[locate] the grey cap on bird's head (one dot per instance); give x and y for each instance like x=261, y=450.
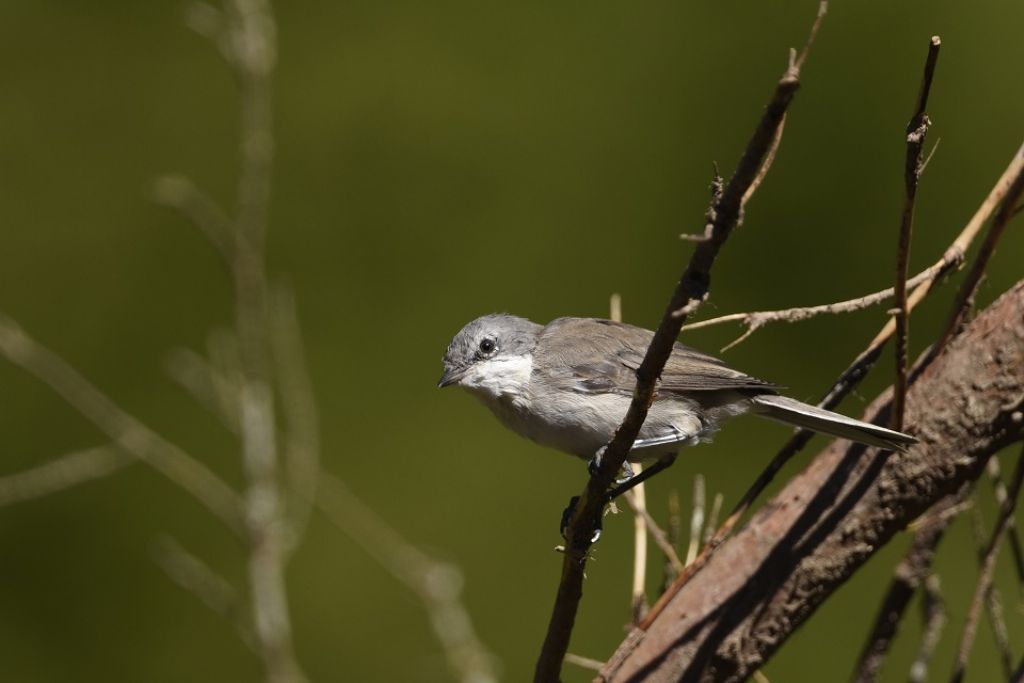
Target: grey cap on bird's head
x=487, y=337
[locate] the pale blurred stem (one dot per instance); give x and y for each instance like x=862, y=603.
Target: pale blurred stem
x=302, y=422
x=62, y=473
x=638, y=499
x=124, y=430
x=984, y=585
x=437, y=584
x=196, y=577
x=251, y=50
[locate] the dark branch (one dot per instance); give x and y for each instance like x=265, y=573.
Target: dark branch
x=917, y=129
x=691, y=290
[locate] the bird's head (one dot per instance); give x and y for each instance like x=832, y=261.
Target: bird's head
x=491, y=355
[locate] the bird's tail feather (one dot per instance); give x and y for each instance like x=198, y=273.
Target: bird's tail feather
x=799, y=414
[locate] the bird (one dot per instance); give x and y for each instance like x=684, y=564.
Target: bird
x=567, y=385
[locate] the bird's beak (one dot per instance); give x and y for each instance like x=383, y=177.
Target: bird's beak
x=451, y=376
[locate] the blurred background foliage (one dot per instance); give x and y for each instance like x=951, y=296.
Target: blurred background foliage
x=437, y=161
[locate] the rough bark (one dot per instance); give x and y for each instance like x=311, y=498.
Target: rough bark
x=831, y=518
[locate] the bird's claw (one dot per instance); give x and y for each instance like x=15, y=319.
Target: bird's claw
x=595, y=464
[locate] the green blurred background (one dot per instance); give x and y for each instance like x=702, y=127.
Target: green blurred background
x=437, y=161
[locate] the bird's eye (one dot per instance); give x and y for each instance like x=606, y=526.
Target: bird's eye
x=487, y=345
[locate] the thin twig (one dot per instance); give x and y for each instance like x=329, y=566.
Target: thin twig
x=437, y=584
x=123, y=429
x=691, y=290
x=756, y=319
x=993, y=601
x=62, y=473
x=910, y=573
x=917, y=129
x=962, y=305
x=933, y=612
x=988, y=566
x=696, y=518
x=995, y=476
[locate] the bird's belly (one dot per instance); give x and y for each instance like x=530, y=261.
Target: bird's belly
x=581, y=424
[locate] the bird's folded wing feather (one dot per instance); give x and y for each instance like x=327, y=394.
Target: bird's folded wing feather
x=601, y=356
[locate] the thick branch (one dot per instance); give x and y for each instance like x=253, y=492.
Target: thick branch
x=830, y=519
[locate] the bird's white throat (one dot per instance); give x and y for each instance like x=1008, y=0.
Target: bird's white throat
x=504, y=377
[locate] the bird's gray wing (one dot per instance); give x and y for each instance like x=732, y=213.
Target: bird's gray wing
x=600, y=356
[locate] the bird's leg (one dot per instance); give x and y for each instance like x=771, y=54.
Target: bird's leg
x=663, y=463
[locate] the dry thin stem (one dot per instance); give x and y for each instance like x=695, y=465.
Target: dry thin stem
x=638, y=501
x=658, y=535
x=123, y=429
x=965, y=296
x=583, y=662
x=917, y=129
x=674, y=528
x=437, y=584
x=933, y=612
x=757, y=319
x=198, y=578
x=696, y=518
x=691, y=290
x=984, y=584
x=62, y=473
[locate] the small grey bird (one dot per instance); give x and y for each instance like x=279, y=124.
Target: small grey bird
x=568, y=385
